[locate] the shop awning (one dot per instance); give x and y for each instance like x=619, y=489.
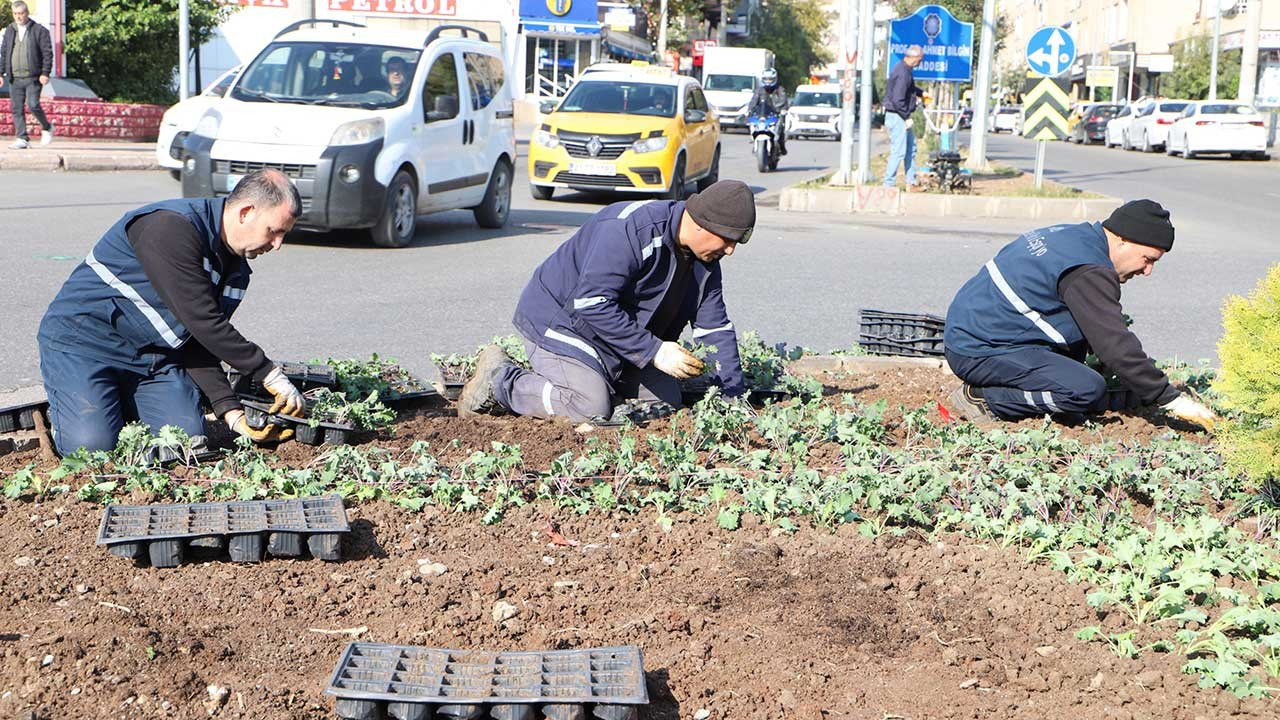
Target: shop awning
x=561, y=29
x=626, y=45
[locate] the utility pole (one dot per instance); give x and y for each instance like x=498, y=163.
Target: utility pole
x=849, y=53
x=982, y=90
x=722, y=36
x=184, y=48
x=867, y=42
x=662, y=33
x=1249, y=58
x=1213, y=63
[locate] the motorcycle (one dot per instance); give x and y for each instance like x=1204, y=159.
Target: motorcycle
x=764, y=135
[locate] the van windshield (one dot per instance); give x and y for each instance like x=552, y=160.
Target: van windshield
x=730, y=83
x=818, y=99
x=627, y=98
x=329, y=73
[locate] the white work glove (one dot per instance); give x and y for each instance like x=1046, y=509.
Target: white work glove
x=239, y=425
x=1185, y=408
x=288, y=400
x=677, y=362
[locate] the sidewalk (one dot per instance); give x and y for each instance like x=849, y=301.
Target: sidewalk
x=72, y=154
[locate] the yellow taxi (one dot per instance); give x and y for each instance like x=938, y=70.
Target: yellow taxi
x=632, y=132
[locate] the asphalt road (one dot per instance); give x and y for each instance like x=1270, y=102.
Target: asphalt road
x=801, y=280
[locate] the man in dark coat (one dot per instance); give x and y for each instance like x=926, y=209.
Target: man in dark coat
x=602, y=315
x=900, y=95
x=1017, y=333
x=26, y=59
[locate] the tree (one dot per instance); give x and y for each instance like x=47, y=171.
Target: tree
x=968, y=11
x=676, y=10
x=127, y=50
x=1191, y=64
x=794, y=30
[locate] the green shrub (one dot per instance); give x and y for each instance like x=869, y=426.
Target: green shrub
x=1250, y=379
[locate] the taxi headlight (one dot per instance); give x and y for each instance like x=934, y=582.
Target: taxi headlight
x=652, y=144
x=546, y=139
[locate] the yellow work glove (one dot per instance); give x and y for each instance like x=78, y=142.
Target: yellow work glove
x=1185, y=408
x=288, y=400
x=239, y=424
x=677, y=362
x=927, y=99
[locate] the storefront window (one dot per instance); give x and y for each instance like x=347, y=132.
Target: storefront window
x=553, y=63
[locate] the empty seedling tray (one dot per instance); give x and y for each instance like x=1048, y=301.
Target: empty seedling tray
x=904, y=334
x=304, y=376
x=258, y=416
x=637, y=412
x=21, y=417
x=408, y=682
x=452, y=378
x=408, y=390
x=162, y=533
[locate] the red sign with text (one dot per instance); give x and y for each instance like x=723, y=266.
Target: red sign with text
x=264, y=3
x=397, y=7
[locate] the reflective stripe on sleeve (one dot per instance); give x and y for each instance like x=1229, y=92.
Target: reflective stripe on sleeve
x=586, y=302
x=1005, y=289
x=702, y=332
x=574, y=341
x=132, y=295
x=653, y=245
x=626, y=211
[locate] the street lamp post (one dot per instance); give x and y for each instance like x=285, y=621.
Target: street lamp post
x=1217, y=31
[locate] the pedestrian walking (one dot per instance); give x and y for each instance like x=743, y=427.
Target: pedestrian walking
x=900, y=95
x=26, y=59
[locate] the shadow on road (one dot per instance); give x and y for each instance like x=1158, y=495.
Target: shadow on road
x=455, y=227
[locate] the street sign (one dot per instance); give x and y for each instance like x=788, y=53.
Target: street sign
x=1101, y=76
x=1050, y=51
x=1046, y=103
x=946, y=41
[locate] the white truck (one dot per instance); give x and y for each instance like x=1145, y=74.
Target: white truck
x=729, y=76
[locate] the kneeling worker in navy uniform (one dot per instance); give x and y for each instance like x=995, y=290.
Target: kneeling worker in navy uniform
x=601, y=315
x=138, y=330
x=1017, y=333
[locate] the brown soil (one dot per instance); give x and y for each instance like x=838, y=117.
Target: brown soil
x=746, y=624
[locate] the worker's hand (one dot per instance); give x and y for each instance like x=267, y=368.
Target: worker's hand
x=1185, y=408
x=239, y=424
x=677, y=362
x=288, y=400
x=44, y=79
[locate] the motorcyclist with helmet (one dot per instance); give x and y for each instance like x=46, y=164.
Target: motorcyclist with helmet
x=770, y=98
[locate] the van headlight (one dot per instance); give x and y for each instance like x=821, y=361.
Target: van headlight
x=546, y=139
x=359, y=132
x=652, y=144
x=208, y=125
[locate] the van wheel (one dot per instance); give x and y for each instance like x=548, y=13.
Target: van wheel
x=175, y=174
x=493, y=210
x=399, y=214
x=542, y=192
x=713, y=176
x=677, y=189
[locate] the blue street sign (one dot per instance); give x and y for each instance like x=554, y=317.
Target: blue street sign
x=1050, y=51
x=946, y=41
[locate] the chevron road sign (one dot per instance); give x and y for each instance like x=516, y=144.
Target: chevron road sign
x=1046, y=103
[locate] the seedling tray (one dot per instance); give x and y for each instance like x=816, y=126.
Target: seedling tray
x=1120, y=399
x=637, y=412
x=903, y=334
x=325, y=433
x=408, y=391
x=20, y=417
x=407, y=681
x=452, y=378
x=163, y=533
x=693, y=390
x=304, y=376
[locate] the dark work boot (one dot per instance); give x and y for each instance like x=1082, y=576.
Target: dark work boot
x=968, y=403
x=477, y=397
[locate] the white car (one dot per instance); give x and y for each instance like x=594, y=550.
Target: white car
x=1150, y=127
x=1118, y=126
x=1007, y=118
x=815, y=112
x=1216, y=126
x=181, y=119
x=374, y=126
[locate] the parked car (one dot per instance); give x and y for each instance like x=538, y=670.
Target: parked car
x=966, y=119
x=627, y=132
x=366, y=149
x=1118, y=126
x=179, y=120
x=1150, y=127
x=1007, y=118
x=1215, y=126
x=815, y=112
x=1092, y=125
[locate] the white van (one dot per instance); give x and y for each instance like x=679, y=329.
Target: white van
x=729, y=77
x=374, y=127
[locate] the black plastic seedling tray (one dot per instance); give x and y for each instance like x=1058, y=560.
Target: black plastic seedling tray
x=304, y=376
x=452, y=378
x=1120, y=399
x=904, y=334
x=326, y=433
x=637, y=412
x=21, y=417
x=164, y=533
x=407, y=682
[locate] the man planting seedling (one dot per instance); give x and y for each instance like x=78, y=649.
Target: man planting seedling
x=138, y=330
x=602, y=315
x=1017, y=333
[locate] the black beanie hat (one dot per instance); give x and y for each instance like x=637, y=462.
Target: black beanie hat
x=727, y=209
x=1143, y=222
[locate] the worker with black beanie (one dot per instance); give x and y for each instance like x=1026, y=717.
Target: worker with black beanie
x=1017, y=333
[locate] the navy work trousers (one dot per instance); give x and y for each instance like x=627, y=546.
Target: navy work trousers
x=90, y=401
x=1032, y=381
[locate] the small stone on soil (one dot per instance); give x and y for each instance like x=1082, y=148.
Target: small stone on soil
x=1046, y=650
x=548, y=560
x=24, y=561
x=503, y=610
x=47, y=661
x=971, y=682
x=702, y=714
x=432, y=569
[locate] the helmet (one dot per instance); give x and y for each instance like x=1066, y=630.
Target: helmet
x=769, y=78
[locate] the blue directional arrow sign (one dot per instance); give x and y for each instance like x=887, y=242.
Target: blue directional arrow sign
x=1050, y=51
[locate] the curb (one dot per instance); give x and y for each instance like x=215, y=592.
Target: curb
x=875, y=199
x=78, y=162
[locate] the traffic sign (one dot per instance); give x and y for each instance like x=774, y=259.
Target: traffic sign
x=947, y=44
x=1050, y=51
x=1046, y=104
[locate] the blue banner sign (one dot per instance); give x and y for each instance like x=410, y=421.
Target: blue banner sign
x=946, y=41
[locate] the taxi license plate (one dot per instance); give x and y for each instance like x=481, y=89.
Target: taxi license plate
x=231, y=181
x=593, y=168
